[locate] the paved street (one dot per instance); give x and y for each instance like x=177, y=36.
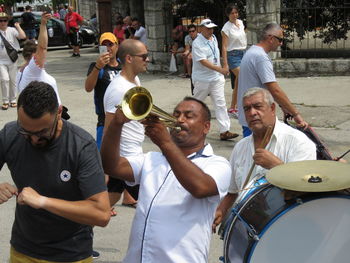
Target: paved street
x=323, y=101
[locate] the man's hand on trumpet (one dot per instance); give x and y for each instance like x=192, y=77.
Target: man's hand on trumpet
x=156, y=131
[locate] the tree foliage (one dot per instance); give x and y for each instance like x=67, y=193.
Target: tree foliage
x=329, y=20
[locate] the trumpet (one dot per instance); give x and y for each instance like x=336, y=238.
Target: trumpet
x=137, y=104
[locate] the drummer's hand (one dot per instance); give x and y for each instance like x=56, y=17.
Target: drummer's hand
x=266, y=159
x=217, y=220
x=300, y=121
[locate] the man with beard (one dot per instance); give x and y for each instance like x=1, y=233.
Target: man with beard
x=59, y=181
x=180, y=187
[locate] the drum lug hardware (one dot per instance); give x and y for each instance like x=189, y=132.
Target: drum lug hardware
x=252, y=233
x=299, y=201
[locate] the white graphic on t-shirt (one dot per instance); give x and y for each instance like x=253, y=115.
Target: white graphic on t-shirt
x=65, y=176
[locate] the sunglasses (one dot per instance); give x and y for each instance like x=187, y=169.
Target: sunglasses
x=44, y=134
x=280, y=39
x=3, y=21
x=143, y=56
x=191, y=31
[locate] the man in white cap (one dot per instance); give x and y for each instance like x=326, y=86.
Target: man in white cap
x=208, y=75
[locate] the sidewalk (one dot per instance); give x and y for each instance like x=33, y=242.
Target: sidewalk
x=324, y=102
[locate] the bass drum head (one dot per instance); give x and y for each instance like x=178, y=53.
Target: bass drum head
x=316, y=231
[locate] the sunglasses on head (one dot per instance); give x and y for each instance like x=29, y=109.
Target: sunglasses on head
x=143, y=56
x=280, y=39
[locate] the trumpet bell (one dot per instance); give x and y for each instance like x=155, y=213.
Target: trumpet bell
x=137, y=103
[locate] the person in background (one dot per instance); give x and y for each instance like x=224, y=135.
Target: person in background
x=208, y=76
x=128, y=29
x=73, y=21
x=62, y=11
x=234, y=44
x=256, y=70
x=8, y=68
x=187, y=54
x=28, y=23
x=118, y=31
x=140, y=31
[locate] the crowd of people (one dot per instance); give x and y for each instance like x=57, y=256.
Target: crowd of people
x=180, y=193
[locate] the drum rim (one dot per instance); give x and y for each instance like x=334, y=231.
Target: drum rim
x=230, y=226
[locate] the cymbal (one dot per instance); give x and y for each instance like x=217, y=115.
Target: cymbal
x=311, y=176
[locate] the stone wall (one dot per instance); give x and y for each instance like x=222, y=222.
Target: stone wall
x=158, y=24
x=311, y=67
x=86, y=8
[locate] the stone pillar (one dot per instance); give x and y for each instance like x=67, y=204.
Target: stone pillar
x=259, y=14
x=158, y=24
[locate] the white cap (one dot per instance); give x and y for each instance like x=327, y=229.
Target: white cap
x=207, y=23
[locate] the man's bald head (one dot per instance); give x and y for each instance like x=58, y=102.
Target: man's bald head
x=129, y=47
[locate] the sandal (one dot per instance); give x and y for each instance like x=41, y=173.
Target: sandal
x=5, y=106
x=13, y=105
x=132, y=205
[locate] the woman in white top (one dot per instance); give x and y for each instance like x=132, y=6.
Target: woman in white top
x=234, y=44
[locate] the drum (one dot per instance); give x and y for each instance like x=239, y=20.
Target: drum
x=264, y=227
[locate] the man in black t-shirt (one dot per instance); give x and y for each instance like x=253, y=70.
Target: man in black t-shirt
x=100, y=74
x=28, y=23
x=59, y=181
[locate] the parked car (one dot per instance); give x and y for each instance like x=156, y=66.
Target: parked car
x=57, y=30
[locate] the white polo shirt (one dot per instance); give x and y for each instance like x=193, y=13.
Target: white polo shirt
x=237, y=39
x=287, y=143
x=133, y=132
x=203, y=48
x=170, y=225
x=32, y=72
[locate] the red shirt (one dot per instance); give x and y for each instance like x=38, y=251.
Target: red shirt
x=72, y=20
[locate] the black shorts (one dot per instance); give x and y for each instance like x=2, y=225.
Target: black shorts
x=116, y=185
x=73, y=38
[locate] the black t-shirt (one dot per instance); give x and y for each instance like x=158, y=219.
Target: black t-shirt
x=28, y=20
x=69, y=169
x=105, y=77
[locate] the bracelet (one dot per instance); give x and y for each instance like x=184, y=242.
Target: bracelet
x=97, y=68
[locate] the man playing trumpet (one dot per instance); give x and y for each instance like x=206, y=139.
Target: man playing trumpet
x=180, y=187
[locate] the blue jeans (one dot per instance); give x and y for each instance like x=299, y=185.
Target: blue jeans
x=99, y=134
x=30, y=33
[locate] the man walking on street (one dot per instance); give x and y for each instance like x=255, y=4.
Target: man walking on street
x=73, y=21
x=208, y=75
x=257, y=71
